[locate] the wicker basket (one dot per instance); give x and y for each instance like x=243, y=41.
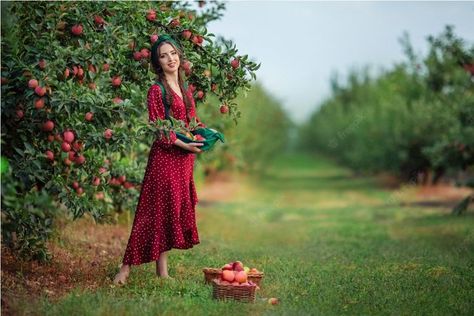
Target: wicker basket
x=233, y=292
x=211, y=274
x=214, y=273
x=255, y=278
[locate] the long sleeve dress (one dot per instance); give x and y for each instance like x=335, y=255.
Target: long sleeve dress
x=165, y=214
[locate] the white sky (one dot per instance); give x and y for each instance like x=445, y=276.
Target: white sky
x=301, y=43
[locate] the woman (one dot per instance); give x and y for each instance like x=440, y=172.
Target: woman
x=165, y=214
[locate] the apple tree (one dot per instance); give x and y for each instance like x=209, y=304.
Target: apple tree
x=75, y=127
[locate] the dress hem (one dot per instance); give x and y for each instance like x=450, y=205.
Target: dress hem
x=166, y=249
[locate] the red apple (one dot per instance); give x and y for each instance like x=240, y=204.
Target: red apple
x=227, y=266
x=33, y=83
x=186, y=34
x=117, y=100
x=89, y=116
x=199, y=138
x=66, y=147
x=105, y=67
x=78, y=146
x=50, y=138
x=39, y=103
x=99, y=20
x=273, y=301
x=224, y=109
x=20, y=114
x=228, y=275
x=79, y=191
x=192, y=88
x=49, y=155
x=213, y=87
x=71, y=155
x=92, y=68
x=145, y=53
x=235, y=283
x=235, y=63
x=67, y=161
x=92, y=86
x=200, y=94
x=68, y=136
x=128, y=185
x=102, y=170
x=122, y=179
x=76, y=29
x=238, y=266
x=116, y=81
x=41, y=91
x=99, y=195
x=80, y=160
x=48, y=126
x=195, y=39
x=137, y=56
x=174, y=23
x=151, y=15
x=42, y=64
x=80, y=72
x=108, y=133
x=153, y=38
x=66, y=73
x=241, y=276
x=75, y=185
x=96, y=181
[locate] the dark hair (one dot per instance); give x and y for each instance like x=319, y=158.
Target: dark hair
x=162, y=78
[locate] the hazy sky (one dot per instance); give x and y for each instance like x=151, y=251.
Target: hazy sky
x=301, y=43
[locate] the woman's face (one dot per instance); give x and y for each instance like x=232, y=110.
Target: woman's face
x=169, y=58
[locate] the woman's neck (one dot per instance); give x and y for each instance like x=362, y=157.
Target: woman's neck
x=172, y=78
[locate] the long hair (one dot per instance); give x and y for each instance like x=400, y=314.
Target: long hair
x=162, y=78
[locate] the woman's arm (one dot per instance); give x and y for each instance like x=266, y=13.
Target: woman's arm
x=156, y=110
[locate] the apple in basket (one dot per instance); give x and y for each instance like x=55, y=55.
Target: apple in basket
x=241, y=276
x=238, y=266
x=227, y=266
x=228, y=275
x=253, y=270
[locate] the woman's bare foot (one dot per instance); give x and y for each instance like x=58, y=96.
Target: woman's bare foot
x=121, y=277
x=162, y=266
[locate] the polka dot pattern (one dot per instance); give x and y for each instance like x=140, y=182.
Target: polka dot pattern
x=165, y=214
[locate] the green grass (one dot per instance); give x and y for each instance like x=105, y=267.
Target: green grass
x=329, y=244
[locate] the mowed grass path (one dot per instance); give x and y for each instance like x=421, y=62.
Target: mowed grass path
x=329, y=244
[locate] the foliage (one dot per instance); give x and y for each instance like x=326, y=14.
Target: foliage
x=71, y=67
x=414, y=118
x=262, y=133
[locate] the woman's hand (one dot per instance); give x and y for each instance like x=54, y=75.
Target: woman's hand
x=192, y=147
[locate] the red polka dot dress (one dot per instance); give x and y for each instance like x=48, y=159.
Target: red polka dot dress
x=165, y=214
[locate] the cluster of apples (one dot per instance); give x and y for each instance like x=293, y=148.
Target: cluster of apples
x=236, y=273
x=196, y=137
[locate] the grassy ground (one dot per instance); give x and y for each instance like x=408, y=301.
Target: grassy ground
x=329, y=244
